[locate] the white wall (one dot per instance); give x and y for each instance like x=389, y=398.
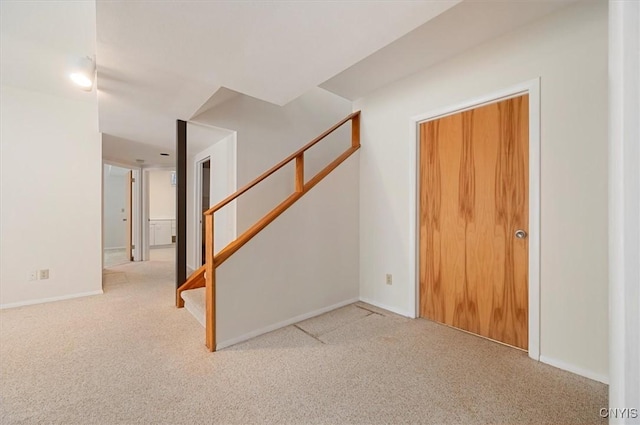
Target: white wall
x=50, y=195
x=222, y=179
x=267, y=133
x=114, y=207
x=303, y=263
x=568, y=50
x=624, y=218
x=162, y=195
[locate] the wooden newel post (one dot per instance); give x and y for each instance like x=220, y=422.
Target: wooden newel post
x=300, y=173
x=210, y=329
x=355, y=131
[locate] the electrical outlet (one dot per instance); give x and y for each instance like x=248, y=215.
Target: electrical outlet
x=389, y=279
x=32, y=275
x=43, y=274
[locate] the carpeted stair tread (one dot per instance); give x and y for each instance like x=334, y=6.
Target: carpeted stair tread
x=195, y=303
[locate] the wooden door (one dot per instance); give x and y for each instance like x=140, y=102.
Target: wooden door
x=474, y=197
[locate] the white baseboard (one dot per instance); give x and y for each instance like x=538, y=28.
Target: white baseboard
x=575, y=369
x=52, y=299
x=291, y=321
x=387, y=307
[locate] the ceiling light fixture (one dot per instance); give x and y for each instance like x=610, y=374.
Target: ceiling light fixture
x=83, y=73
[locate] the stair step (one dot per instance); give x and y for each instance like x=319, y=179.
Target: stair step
x=195, y=303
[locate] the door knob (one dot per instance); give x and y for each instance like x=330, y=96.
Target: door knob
x=521, y=234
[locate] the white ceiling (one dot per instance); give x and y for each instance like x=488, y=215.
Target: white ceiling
x=162, y=61
x=454, y=31
x=124, y=151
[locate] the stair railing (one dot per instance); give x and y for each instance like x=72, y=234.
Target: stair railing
x=207, y=274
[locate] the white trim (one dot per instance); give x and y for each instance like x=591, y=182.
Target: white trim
x=275, y=326
x=197, y=197
x=388, y=307
x=531, y=87
x=624, y=206
x=145, y=214
x=136, y=214
x=52, y=299
x=233, y=185
x=575, y=369
x=223, y=167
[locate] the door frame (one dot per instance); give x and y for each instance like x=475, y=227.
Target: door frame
x=198, y=209
x=146, y=193
x=130, y=233
x=136, y=208
x=224, y=178
x=532, y=88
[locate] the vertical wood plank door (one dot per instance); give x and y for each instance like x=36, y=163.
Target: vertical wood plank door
x=474, y=196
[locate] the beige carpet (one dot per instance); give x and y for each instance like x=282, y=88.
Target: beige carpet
x=113, y=257
x=130, y=357
x=117, y=257
x=163, y=253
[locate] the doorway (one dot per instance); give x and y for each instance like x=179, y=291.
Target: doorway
x=474, y=221
x=118, y=215
x=205, y=203
x=161, y=214
x=211, y=178
x=532, y=89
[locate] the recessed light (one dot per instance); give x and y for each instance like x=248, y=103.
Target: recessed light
x=164, y=154
x=140, y=161
x=81, y=79
x=83, y=72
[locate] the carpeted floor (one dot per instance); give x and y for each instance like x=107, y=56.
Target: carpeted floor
x=163, y=253
x=130, y=357
x=118, y=256
x=114, y=256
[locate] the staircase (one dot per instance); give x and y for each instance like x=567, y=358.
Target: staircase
x=194, y=300
x=198, y=293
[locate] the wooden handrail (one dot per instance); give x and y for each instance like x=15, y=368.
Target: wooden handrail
x=225, y=253
x=355, y=116
x=208, y=271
